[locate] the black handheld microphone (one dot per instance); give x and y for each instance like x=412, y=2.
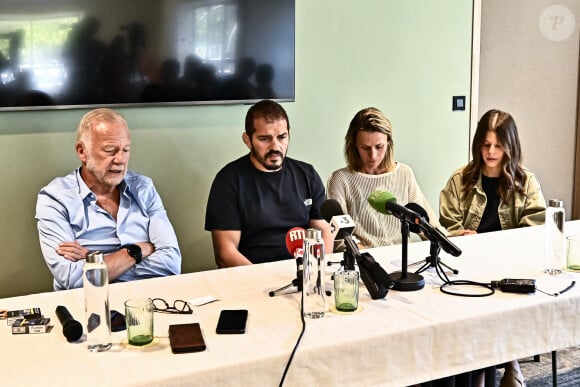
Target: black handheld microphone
x=71, y=328
x=376, y=279
x=402, y=212
x=413, y=227
x=432, y=233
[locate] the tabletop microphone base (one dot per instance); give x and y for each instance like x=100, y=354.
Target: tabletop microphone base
x=284, y=289
x=407, y=282
x=430, y=262
x=433, y=260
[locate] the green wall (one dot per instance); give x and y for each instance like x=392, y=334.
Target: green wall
x=406, y=57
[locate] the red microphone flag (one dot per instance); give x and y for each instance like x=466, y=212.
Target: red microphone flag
x=295, y=241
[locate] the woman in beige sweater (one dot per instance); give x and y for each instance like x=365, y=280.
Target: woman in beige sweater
x=371, y=166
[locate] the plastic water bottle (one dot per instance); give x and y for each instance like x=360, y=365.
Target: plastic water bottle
x=555, y=237
x=96, y=288
x=313, y=301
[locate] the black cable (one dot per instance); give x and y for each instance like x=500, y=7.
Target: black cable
x=446, y=282
x=297, y=341
x=565, y=290
x=440, y=272
x=560, y=292
x=491, y=289
x=467, y=282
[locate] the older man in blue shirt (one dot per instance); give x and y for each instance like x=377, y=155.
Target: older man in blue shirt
x=103, y=206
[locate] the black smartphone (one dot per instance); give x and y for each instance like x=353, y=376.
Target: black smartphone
x=232, y=321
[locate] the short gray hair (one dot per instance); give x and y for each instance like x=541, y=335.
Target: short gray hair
x=94, y=117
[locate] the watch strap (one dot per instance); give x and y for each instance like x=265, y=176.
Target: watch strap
x=134, y=251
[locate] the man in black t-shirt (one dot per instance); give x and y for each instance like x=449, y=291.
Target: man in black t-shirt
x=256, y=199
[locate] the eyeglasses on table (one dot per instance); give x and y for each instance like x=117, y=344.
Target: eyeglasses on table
x=178, y=307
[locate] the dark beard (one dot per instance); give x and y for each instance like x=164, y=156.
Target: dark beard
x=262, y=161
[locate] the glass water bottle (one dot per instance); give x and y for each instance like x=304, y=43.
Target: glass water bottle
x=313, y=301
x=96, y=288
x=555, y=237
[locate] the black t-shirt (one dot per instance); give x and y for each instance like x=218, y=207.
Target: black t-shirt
x=264, y=205
x=490, y=218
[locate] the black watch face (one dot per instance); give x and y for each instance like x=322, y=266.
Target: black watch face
x=134, y=251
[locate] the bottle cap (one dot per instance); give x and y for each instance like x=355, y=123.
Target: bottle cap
x=555, y=203
x=313, y=233
x=95, y=257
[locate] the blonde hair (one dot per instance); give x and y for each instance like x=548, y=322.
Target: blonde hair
x=369, y=119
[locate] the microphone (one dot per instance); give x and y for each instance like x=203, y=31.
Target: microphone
x=71, y=328
x=341, y=227
x=295, y=241
x=435, y=235
x=376, y=279
x=341, y=224
x=432, y=233
x=295, y=245
x=386, y=203
x=438, y=240
x=421, y=212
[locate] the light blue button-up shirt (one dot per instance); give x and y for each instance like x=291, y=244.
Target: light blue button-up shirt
x=67, y=211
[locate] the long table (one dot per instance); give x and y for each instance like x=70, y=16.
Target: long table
x=406, y=338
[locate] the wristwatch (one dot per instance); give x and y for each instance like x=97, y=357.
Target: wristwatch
x=134, y=251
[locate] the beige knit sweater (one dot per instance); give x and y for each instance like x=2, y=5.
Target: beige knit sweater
x=374, y=229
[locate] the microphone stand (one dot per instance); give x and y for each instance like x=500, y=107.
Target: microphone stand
x=297, y=282
x=405, y=281
x=433, y=260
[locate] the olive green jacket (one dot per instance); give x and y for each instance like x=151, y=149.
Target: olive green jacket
x=459, y=210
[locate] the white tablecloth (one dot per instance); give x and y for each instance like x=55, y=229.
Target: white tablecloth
x=406, y=338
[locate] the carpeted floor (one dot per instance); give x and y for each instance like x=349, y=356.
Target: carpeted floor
x=539, y=374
